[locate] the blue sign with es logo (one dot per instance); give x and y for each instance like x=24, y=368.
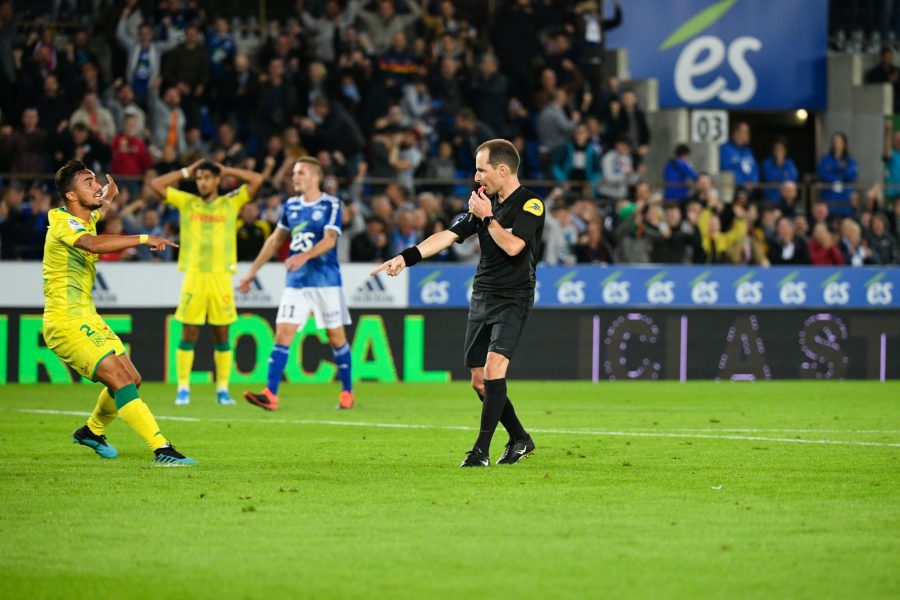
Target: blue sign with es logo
x=728, y=53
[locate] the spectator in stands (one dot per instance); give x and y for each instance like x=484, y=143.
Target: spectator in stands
x=382, y=23
x=144, y=54
x=489, y=92
x=626, y=118
x=786, y=249
x=577, y=161
x=737, y=156
x=252, y=232
x=220, y=49
x=618, y=170
x=838, y=168
x=466, y=133
x=705, y=192
x=129, y=153
x=886, y=72
x=24, y=146
x=445, y=86
x=150, y=225
x=226, y=149
x=324, y=30
x=119, y=100
x=592, y=247
x=442, y=166
x=801, y=227
x=721, y=246
x=822, y=249
x=891, y=160
x=334, y=130
x=53, y=106
x=516, y=38
x=186, y=66
x=671, y=245
x=277, y=100
x=93, y=115
x=167, y=120
x=372, y=244
x=554, y=126
x=82, y=144
x=560, y=236
x=236, y=94
x=679, y=175
x=16, y=224
x=113, y=225
x=853, y=246
x=883, y=244
x=416, y=102
x=168, y=161
x=777, y=168
x=632, y=243
x=821, y=214
x=787, y=200
x=8, y=73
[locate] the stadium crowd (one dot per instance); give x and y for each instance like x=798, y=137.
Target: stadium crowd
x=392, y=97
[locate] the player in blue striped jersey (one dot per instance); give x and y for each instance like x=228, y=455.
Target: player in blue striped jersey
x=312, y=221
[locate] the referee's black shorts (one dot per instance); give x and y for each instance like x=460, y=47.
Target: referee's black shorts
x=495, y=325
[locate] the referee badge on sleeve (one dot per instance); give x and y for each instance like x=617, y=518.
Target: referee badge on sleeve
x=534, y=206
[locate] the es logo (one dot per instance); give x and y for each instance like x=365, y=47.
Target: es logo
x=661, y=292
x=749, y=292
x=880, y=293
x=793, y=292
x=707, y=53
x=616, y=292
x=570, y=290
x=837, y=292
x=436, y=292
x=705, y=292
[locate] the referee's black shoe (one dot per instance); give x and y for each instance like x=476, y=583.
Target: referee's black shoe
x=476, y=457
x=516, y=451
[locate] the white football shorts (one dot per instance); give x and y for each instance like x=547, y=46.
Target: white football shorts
x=325, y=303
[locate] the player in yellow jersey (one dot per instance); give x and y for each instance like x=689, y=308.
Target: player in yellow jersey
x=73, y=329
x=208, y=258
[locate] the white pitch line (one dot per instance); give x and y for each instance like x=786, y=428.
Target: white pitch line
x=591, y=432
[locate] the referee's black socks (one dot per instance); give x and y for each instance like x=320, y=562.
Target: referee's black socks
x=510, y=421
x=496, y=406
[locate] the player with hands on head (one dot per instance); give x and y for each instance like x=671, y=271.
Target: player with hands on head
x=509, y=220
x=208, y=258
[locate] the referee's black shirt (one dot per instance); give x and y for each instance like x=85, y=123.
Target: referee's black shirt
x=522, y=213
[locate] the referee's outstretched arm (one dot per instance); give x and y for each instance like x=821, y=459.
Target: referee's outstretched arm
x=432, y=245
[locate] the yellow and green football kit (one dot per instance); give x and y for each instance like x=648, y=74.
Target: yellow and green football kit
x=208, y=255
x=76, y=333
x=208, y=258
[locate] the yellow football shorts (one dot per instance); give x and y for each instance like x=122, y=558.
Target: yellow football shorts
x=82, y=343
x=206, y=298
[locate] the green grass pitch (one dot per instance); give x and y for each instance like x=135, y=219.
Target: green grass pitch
x=636, y=490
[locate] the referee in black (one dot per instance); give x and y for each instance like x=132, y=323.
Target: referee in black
x=509, y=221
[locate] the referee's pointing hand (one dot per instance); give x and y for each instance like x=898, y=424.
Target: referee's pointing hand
x=391, y=267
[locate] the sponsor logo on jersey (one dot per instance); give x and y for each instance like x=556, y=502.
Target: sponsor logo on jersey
x=317, y=215
x=534, y=206
x=75, y=224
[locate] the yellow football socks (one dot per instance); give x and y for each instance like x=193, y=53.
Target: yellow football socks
x=137, y=415
x=184, y=364
x=223, y=358
x=104, y=412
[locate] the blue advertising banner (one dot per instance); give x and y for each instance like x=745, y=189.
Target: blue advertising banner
x=675, y=286
x=749, y=54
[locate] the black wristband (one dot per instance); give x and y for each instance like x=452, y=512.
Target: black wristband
x=411, y=255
